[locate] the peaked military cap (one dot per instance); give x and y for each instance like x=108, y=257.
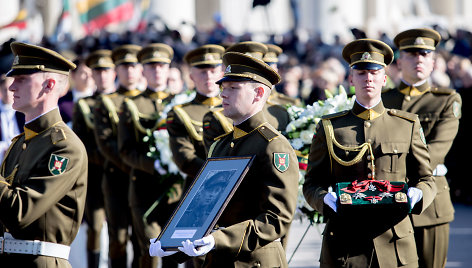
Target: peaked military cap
x=272, y=56
x=125, y=54
x=417, y=40
x=31, y=59
x=206, y=55
x=100, y=59
x=367, y=54
x=251, y=48
x=242, y=67
x=156, y=53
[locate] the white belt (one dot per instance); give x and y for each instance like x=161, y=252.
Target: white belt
x=8, y=244
x=440, y=170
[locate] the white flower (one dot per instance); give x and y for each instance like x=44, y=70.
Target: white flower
x=306, y=136
x=296, y=143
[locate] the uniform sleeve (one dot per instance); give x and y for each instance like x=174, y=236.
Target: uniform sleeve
x=130, y=143
x=39, y=191
x=419, y=171
x=105, y=134
x=211, y=129
x=317, y=178
x=276, y=203
x=183, y=150
x=444, y=131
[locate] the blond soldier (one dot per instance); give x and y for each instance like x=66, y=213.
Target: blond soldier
x=116, y=180
x=261, y=210
x=184, y=122
x=43, y=180
x=83, y=125
x=439, y=110
x=368, y=142
x=138, y=119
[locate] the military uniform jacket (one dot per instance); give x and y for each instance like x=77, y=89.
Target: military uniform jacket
x=216, y=124
x=83, y=125
x=185, y=126
x=139, y=117
x=261, y=210
x=106, y=125
x=43, y=186
x=439, y=110
x=399, y=152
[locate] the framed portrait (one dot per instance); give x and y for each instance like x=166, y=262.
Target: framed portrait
x=205, y=200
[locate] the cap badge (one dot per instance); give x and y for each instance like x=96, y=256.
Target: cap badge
x=128, y=56
x=366, y=56
x=228, y=69
x=209, y=57
x=16, y=60
x=157, y=54
x=101, y=61
x=419, y=41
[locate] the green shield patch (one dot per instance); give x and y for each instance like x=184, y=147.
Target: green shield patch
x=281, y=161
x=57, y=164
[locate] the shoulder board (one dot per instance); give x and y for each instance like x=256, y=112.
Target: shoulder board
x=338, y=114
x=57, y=135
x=443, y=91
x=402, y=114
x=223, y=135
x=268, y=133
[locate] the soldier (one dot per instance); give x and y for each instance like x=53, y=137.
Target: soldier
x=439, y=110
x=43, y=180
x=396, y=151
x=184, y=122
x=261, y=210
x=83, y=125
x=115, y=183
x=216, y=124
x=139, y=118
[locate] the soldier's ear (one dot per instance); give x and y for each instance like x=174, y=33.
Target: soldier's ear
x=259, y=92
x=50, y=83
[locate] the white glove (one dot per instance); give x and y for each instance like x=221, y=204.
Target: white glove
x=415, y=195
x=199, y=247
x=155, y=249
x=330, y=200
x=158, y=167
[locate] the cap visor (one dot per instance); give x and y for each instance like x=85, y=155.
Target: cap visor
x=367, y=66
x=232, y=79
x=417, y=50
x=14, y=72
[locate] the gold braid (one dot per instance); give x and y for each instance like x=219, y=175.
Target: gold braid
x=362, y=149
x=136, y=115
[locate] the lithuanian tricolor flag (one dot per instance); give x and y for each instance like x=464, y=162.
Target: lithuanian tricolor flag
x=96, y=14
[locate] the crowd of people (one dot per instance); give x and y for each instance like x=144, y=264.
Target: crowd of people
x=120, y=90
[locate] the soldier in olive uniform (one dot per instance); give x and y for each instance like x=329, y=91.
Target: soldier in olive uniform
x=184, y=122
x=261, y=210
x=396, y=151
x=139, y=118
x=116, y=180
x=83, y=125
x=439, y=110
x=43, y=180
x=216, y=124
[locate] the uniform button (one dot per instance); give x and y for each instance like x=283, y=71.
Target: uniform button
x=407, y=98
x=369, y=158
x=200, y=129
x=369, y=175
x=24, y=146
x=262, y=127
x=133, y=178
x=159, y=101
x=331, y=233
x=394, y=112
x=369, y=141
x=395, y=151
x=231, y=144
x=367, y=124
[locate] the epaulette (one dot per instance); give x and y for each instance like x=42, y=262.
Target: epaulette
x=443, y=90
x=338, y=114
x=402, y=114
x=267, y=133
x=57, y=135
x=222, y=135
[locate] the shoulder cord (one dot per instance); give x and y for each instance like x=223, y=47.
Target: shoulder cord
x=88, y=116
x=135, y=115
x=224, y=121
x=188, y=122
x=111, y=112
x=362, y=149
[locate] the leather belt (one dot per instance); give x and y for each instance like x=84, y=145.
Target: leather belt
x=8, y=244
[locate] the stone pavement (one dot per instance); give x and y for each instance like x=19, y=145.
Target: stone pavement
x=307, y=255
